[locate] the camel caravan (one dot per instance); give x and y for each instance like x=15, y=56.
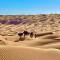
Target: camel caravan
x=31, y=34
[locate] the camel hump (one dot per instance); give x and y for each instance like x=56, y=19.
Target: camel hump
x=26, y=32
x=20, y=34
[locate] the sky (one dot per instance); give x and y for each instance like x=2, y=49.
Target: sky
x=27, y=7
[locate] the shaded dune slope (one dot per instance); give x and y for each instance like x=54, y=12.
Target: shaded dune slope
x=26, y=53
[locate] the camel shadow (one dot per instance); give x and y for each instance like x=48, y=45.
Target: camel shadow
x=20, y=39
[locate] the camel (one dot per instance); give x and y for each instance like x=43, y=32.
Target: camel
x=42, y=34
x=26, y=33
x=20, y=34
x=23, y=34
x=31, y=34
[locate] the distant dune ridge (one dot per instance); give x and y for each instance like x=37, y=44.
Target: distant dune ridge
x=43, y=45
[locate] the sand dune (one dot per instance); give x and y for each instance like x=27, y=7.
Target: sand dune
x=28, y=53
x=46, y=45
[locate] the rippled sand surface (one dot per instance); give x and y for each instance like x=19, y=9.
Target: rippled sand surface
x=43, y=47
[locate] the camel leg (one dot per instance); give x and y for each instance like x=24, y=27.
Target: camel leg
x=24, y=35
x=35, y=35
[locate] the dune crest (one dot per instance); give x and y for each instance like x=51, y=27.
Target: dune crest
x=42, y=41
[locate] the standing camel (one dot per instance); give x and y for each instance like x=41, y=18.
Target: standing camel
x=26, y=33
x=20, y=35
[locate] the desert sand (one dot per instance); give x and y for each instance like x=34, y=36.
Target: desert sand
x=28, y=53
x=43, y=47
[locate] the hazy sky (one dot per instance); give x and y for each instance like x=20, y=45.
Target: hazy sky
x=29, y=6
